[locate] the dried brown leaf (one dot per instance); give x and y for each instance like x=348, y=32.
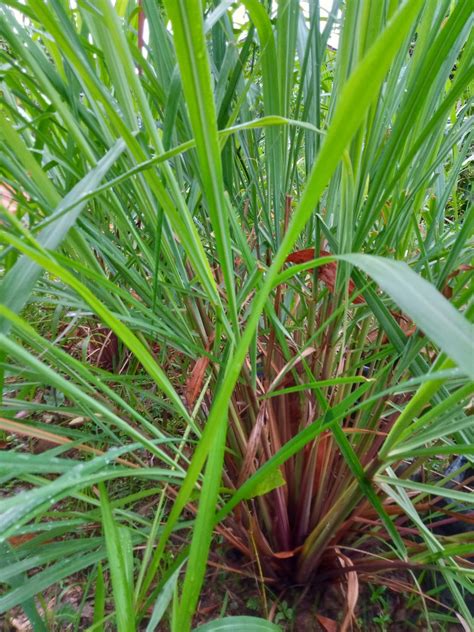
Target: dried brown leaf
x=284, y=555
x=195, y=380
x=352, y=592
x=18, y=540
x=252, y=445
x=328, y=624
x=326, y=273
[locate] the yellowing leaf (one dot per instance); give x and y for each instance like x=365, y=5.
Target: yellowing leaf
x=273, y=480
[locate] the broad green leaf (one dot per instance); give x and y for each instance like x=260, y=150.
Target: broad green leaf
x=425, y=305
x=238, y=624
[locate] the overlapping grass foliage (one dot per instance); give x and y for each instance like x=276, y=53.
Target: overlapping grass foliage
x=235, y=298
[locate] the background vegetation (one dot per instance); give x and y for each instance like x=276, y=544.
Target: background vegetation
x=235, y=309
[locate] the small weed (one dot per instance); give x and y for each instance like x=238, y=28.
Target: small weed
x=378, y=598
x=285, y=613
x=253, y=603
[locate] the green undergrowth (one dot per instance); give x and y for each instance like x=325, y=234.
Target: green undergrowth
x=236, y=312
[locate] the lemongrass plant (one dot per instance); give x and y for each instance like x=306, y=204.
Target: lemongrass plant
x=235, y=298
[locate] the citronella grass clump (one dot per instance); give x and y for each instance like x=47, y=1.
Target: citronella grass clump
x=235, y=300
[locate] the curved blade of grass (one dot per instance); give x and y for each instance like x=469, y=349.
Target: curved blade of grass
x=16, y=287
x=99, y=599
x=122, y=583
x=425, y=305
x=163, y=600
x=434, y=490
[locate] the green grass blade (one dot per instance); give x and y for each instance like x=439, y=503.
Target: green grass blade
x=425, y=305
x=163, y=600
x=122, y=582
x=99, y=599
